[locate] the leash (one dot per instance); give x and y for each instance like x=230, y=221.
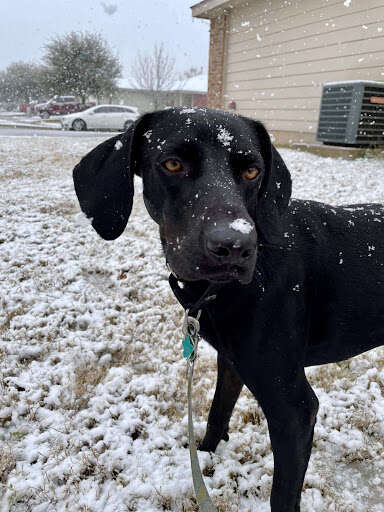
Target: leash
x=191, y=329
x=191, y=332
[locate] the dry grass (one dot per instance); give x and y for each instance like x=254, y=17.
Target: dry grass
x=86, y=377
x=326, y=375
x=59, y=208
x=7, y=462
x=9, y=315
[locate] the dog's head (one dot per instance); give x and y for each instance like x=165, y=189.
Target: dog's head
x=212, y=181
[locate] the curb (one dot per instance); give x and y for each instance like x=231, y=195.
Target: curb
x=28, y=126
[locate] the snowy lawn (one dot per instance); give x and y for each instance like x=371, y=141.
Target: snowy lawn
x=93, y=402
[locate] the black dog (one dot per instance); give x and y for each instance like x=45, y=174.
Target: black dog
x=299, y=283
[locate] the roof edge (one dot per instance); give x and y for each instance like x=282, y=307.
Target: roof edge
x=210, y=8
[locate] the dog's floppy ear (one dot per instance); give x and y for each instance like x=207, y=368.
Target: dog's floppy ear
x=275, y=190
x=104, y=184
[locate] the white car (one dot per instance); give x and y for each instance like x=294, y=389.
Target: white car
x=101, y=117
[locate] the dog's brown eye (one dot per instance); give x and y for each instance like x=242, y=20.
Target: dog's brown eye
x=251, y=173
x=173, y=165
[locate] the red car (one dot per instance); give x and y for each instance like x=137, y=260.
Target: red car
x=61, y=105
x=29, y=108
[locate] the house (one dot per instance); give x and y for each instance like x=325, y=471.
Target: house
x=189, y=93
x=270, y=58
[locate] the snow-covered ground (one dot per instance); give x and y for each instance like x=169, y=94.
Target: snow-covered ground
x=93, y=403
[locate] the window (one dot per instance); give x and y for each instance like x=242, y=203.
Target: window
x=102, y=110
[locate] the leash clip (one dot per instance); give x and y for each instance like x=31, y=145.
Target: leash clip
x=191, y=329
x=191, y=325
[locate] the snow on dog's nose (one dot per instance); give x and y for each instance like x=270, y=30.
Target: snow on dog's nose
x=232, y=246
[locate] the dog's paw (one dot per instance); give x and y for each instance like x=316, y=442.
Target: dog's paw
x=211, y=440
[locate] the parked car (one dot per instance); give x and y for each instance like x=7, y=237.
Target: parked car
x=102, y=117
x=61, y=105
x=29, y=108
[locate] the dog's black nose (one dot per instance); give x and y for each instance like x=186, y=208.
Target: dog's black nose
x=230, y=247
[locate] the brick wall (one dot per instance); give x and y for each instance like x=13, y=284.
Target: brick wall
x=217, y=50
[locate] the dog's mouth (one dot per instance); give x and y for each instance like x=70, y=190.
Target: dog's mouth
x=221, y=274
x=230, y=274
x=204, y=270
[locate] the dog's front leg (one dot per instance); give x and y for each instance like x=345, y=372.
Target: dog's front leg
x=290, y=407
x=291, y=438
x=228, y=388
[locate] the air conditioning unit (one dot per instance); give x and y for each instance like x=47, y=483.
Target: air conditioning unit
x=352, y=114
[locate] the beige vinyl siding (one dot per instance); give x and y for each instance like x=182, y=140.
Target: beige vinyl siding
x=280, y=53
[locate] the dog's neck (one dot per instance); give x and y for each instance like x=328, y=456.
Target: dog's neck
x=193, y=295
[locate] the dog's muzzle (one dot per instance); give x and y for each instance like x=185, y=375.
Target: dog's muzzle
x=231, y=252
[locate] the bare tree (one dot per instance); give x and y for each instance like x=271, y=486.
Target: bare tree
x=154, y=72
x=189, y=73
x=192, y=72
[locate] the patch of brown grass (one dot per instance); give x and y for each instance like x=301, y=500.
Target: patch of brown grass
x=59, y=208
x=9, y=315
x=326, y=375
x=7, y=462
x=86, y=377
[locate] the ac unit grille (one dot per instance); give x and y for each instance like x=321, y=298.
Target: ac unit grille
x=371, y=125
x=352, y=114
x=334, y=112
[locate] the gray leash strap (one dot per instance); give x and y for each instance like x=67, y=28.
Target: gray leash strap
x=191, y=329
